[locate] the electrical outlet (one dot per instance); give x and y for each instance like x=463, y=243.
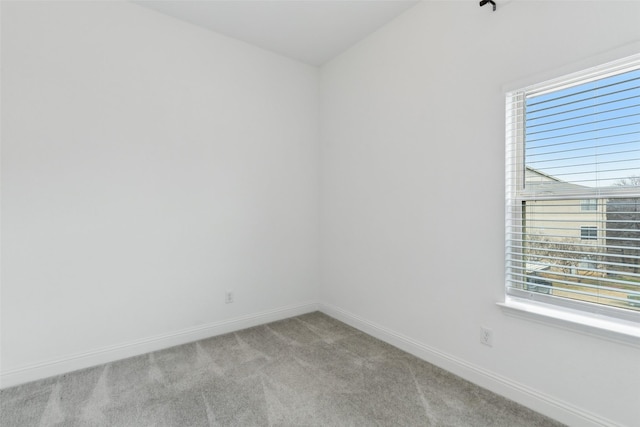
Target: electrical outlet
x=228, y=297
x=486, y=336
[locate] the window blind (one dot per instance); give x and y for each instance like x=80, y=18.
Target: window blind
x=573, y=190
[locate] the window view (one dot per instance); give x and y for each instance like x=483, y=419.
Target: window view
x=589, y=205
x=589, y=233
x=573, y=191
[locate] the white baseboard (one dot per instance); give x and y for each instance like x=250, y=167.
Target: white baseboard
x=108, y=354
x=522, y=394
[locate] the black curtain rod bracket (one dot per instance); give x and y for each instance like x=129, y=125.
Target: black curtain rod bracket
x=483, y=2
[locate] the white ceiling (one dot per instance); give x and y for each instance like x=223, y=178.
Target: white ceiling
x=311, y=31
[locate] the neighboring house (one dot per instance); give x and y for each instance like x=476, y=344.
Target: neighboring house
x=581, y=221
x=623, y=232
x=607, y=228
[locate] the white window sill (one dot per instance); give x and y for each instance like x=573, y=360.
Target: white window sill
x=617, y=330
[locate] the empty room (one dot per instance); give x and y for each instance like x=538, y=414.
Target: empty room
x=346, y=213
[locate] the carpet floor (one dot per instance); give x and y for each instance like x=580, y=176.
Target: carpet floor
x=310, y=370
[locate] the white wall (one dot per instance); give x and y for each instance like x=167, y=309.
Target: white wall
x=413, y=195
x=147, y=166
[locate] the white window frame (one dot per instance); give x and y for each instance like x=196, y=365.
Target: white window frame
x=586, y=232
x=591, y=318
x=589, y=205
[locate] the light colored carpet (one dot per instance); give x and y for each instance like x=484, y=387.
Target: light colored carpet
x=310, y=370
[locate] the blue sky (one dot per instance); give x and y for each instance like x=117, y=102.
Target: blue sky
x=587, y=134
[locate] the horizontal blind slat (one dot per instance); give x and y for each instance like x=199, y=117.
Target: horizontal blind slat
x=590, y=90
x=586, y=99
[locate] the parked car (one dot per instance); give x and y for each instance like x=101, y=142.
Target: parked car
x=539, y=285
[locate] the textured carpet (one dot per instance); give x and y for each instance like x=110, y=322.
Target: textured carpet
x=310, y=370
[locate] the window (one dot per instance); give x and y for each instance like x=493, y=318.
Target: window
x=588, y=233
x=589, y=205
x=573, y=191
